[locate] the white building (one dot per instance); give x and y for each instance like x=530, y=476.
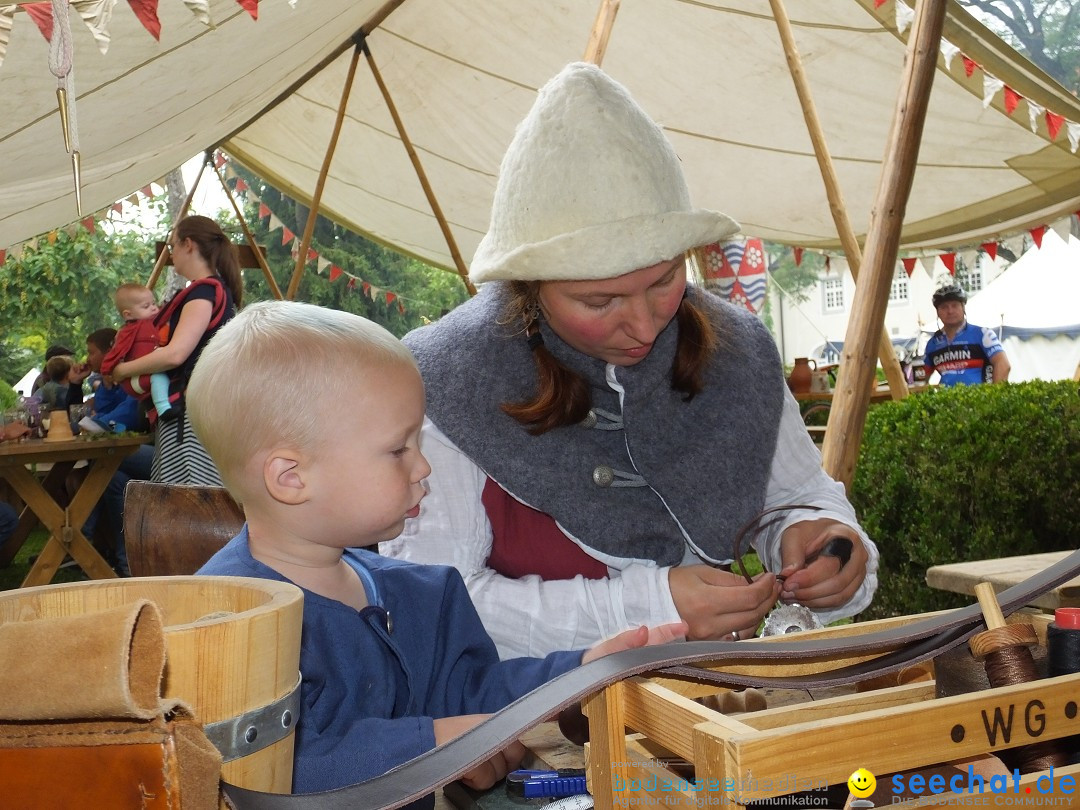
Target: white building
x=805, y=329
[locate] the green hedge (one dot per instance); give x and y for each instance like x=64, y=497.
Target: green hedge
x=967, y=473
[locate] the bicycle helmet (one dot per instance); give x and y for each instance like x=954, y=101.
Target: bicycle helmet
x=950, y=292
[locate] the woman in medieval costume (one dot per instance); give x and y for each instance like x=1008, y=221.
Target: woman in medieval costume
x=598, y=429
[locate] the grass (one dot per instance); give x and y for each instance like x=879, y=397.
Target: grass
x=13, y=575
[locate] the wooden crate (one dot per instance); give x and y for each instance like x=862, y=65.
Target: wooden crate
x=778, y=751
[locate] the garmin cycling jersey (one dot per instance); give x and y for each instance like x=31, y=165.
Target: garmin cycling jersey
x=965, y=360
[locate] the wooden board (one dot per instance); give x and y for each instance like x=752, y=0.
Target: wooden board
x=1003, y=573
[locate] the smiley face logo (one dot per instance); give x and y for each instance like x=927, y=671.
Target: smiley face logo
x=861, y=783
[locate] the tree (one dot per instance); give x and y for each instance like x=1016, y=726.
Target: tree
x=792, y=280
x=1046, y=31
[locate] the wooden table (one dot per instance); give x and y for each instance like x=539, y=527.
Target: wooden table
x=1003, y=573
x=877, y=395
x=65, y=525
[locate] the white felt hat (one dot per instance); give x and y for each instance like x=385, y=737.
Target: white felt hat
x=589, y=188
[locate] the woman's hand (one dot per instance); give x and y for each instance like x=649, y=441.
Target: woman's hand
x=638, y=637
x=823, y=582
x=492, y=770
x=715, y=604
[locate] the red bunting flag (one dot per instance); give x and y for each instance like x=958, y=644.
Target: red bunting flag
x=949, y=260
x=3, y=255
x=146, y=11
x=88, y=223
x=401, y=307
x=41, y=14
x=798, y=251
x=969, y=65
x=909, y=265
x=311, y=254
x=1012, y=98
x=1053, y=124
x=879, y=3
x=390, y=297
x=264, y=210
x=241, y=185
x=251, y=7
x=286, y=235
x=352, y=283
x=147, y=191
x=367, y=289
x=118, y=207
x=1037, y=235
x=219, y=159
x=990, y=248
x=335, y=272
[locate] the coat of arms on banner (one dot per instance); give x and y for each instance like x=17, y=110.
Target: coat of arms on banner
x=736, y=272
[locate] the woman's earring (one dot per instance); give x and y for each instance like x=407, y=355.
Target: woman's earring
x=531, y=314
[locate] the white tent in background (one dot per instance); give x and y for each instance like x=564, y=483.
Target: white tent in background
x=1035, y=307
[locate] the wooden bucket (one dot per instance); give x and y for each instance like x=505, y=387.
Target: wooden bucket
x=233, y=646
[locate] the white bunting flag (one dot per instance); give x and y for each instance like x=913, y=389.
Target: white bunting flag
x=948, y=53
x=97, y=14
x=7, y=19
x=904, y=17
x=1072, y=129
x=1035, y=112
x=991, y=87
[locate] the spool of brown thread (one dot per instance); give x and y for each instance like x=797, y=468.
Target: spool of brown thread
x=1006, y=654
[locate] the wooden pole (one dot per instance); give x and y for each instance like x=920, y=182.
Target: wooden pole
x=601, y=31
x=159, y=262
x=250, y=237
x=436, y=209
x=320, y=184
x=850, y=403
x=893, y=372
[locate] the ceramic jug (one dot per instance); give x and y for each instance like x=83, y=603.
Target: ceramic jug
x=801, y=374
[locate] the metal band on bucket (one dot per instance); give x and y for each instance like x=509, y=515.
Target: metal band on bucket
x=257, y=728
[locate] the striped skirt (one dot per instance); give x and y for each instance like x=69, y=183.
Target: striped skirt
x=180, y=458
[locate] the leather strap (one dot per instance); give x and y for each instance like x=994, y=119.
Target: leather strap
x=901, y=646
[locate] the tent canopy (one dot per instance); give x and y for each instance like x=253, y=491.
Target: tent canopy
x=1033, y=306
x=463, y=72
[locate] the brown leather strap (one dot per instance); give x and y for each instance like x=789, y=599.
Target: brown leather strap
x=902, y=646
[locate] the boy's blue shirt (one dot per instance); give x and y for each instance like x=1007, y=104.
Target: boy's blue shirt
x=369, y=694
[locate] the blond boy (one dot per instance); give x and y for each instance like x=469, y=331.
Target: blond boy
x=137, y=337
x=313, y=419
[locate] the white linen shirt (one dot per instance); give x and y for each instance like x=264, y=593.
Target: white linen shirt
x=531, y=616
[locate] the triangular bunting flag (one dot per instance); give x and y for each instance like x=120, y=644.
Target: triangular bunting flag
x=3, y=255
x=251, y=7
x=1063, y=228
x=352, y=282
x=264, y=210
x=991, y=86
x=1034, y=111
x=1072, y=128
x=219, y=159
x=1016, y=244
x=97, y=14
x=879, y=3
x=991, y=249
x=88, y=223
x=969, y=65
x=147, y=191
x=7, y=19
x=201, y=10
x=321, y=264
x=929, y=265
x=70, y=230
x=134, y=199
x=311, y=254
x=118, y=207
x=401, y=307
x=146, y=12
x=287, y=236
x=904, y=17
x=241, y=185
x=909, y=265
x=799, y=251
x=367, y=289
x=1037, y=235
x=275, y=223
x=948, y=53
x=390, y=297
x=1012, y=98
x=335, y=272
x=1053, y=124
x=949, y=260
x=41, y=14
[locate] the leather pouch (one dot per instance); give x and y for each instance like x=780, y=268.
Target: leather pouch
x=82, y=722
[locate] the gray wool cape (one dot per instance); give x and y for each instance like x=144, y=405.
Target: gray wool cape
x=703, y=466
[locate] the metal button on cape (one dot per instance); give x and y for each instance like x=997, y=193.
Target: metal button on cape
x=590, y=419
x=603, y=475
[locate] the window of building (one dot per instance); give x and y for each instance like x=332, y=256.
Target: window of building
x=970, y=278
x=834, y=294
x=899, y=292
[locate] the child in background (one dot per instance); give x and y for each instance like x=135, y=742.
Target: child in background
x=54, y=393
x=137, y=337
x=313, y=417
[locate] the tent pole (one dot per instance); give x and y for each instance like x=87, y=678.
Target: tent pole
x=893, y=372
x=250, y=237
x=159, y=262
x=313, y=212
x=436, y=209
x=601, y=31
x=850, y=403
